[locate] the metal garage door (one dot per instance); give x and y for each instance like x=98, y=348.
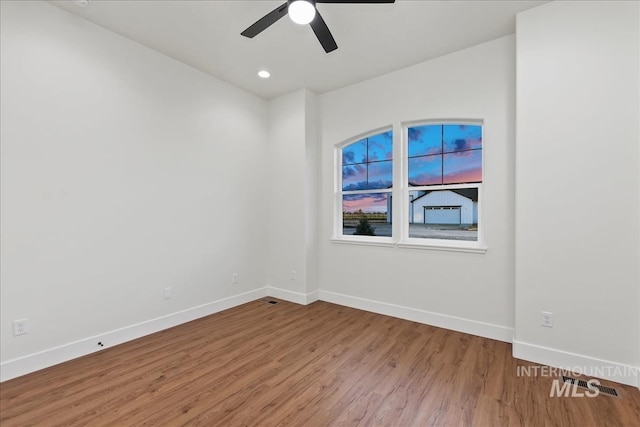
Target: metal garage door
x=442, y=215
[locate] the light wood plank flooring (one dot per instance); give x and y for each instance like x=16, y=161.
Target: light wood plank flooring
x=319, y=365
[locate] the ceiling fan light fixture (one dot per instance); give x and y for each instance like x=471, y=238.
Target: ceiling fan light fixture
x=302, y=11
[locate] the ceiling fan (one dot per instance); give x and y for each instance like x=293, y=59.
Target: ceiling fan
x=303, y=12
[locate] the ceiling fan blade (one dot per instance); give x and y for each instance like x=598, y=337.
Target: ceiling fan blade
x=323, y=34
x=266, y=21
x=355, y=1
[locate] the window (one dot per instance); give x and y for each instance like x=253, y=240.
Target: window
x=366, y=183
x=444, y=175
x=439, y=188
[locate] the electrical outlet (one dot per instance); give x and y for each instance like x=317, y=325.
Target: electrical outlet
x=293, y=275
x=236, y=278
x=166, y=292
x=547, y=319
x=20, y=327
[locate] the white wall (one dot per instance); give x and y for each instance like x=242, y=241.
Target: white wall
x=471, y=292
x=312, y=195
x=293, y=197
x=578, y=146
x=123, y=172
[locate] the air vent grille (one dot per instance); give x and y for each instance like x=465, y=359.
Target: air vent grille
x=603, y=389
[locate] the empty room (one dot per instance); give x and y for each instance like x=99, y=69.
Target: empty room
x=320, y=213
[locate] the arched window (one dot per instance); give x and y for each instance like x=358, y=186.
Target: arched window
x=437, y=187
x=366, y=183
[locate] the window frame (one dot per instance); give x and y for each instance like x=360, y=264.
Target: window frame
x=400, y=193
x=476, y=246
x=338, y=235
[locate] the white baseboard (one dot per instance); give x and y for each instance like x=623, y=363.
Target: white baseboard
x=459, y=324
x=592, y=367
x=36, y=361
x=291, y=296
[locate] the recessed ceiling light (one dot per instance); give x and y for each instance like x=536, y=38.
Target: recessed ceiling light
x=264, y=74
x=81, y=3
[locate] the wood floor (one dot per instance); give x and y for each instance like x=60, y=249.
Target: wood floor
x=266, y=364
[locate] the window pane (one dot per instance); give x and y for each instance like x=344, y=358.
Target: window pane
x=462, y=167
x=354, y=177
x=380, y=175
x=366, y=214
x=462, y=137
x=355, y=153
x=380, y=147
x=425, y=140
x=425, y=170
x=444, y=214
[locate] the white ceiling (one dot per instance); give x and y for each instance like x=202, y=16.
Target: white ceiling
x=373, y=39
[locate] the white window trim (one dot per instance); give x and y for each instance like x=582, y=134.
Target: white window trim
x=400, y=194
x=338, y=237
x=437, y=245
x=364, y=241
x=476, y=246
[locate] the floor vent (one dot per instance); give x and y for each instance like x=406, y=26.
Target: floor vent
x=603, y=389
x=269, y=301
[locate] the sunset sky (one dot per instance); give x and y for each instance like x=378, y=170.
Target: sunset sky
x=438, y=154
x=445, y=154
x=368, y=203
x=367, y=164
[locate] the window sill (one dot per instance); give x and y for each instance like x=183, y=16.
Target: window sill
x=475, y=249
x=364, y=242
x=433, y=246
